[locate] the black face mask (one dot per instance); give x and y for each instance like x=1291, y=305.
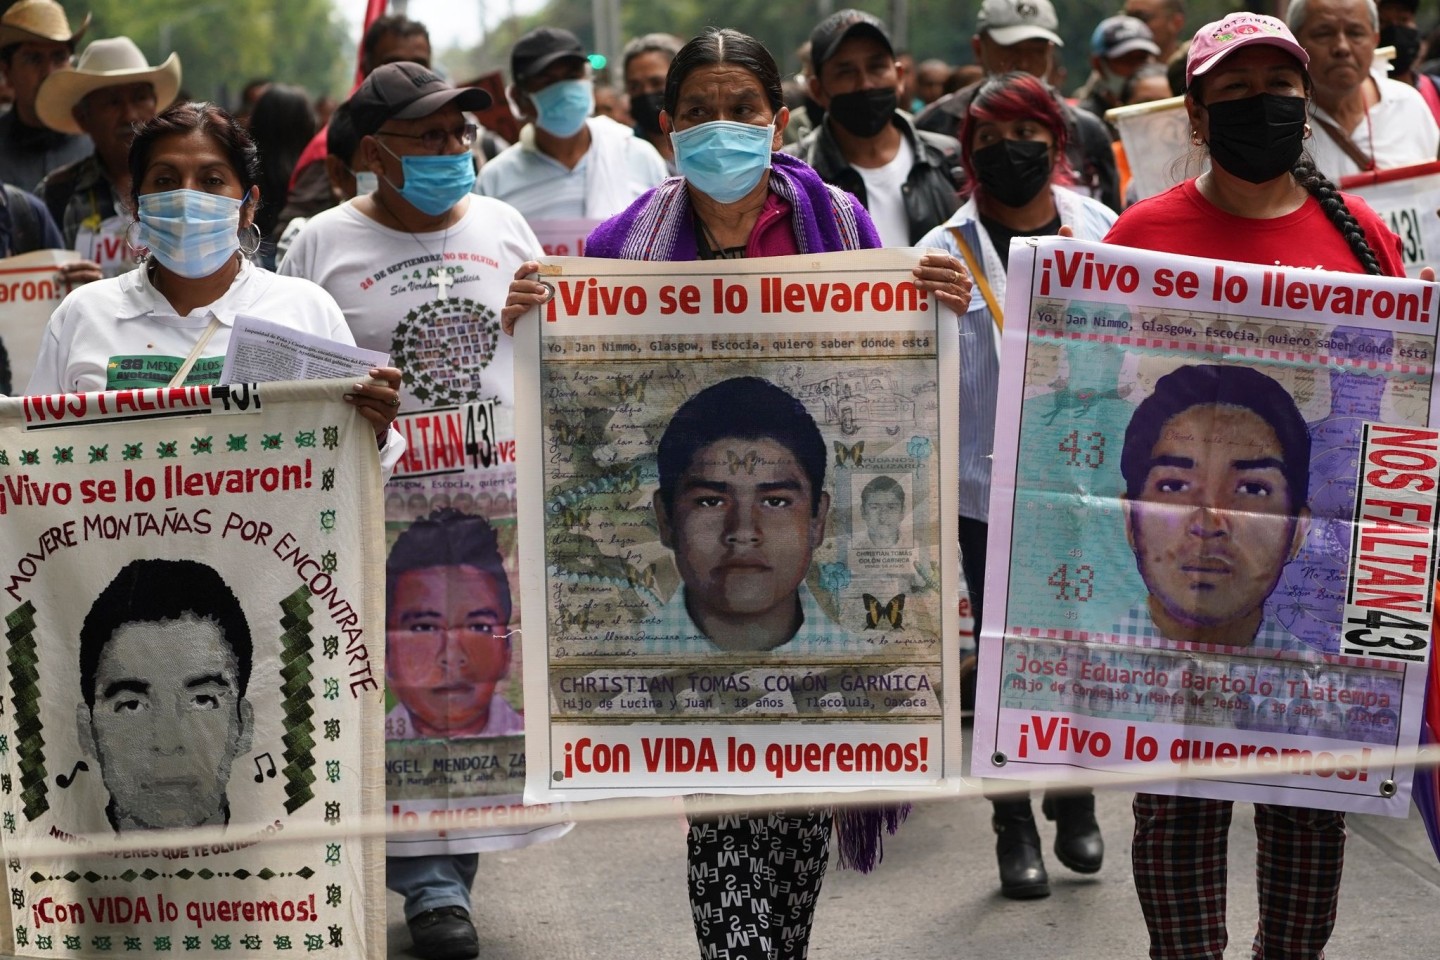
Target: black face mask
x=864, y=112
x=1405, y=40
x=645, y=109
x=1257, y=138
x=1012, y=172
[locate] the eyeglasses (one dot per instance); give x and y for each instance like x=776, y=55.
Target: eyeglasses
x=436, y=140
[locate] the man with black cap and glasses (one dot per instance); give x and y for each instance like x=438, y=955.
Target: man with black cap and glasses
x=35, y=41
x=1021, y=35
x=421, y=266
x=905, y=177
x=568, y=165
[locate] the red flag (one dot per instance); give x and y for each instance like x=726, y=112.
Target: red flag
x=374, y=10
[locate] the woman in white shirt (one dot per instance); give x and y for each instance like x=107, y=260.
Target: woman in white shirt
x=194, y=171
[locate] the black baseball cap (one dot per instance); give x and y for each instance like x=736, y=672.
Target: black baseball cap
x=407, y=91
x=541, y=47
x=840, y=26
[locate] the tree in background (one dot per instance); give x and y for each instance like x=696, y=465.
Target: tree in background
x=938, y=28
x=224, y=43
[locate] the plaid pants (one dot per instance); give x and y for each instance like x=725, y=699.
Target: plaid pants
x=754, y=882
x=1179, y=857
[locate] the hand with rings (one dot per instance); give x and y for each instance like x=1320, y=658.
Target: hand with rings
x=526, y=293
x=378, y=402
x=947, y=278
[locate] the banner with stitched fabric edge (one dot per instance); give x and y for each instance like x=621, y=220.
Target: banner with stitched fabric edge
x=190, y=591
x=736, y=537
x=1213, y=527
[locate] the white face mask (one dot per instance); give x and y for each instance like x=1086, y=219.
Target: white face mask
x=366, y=182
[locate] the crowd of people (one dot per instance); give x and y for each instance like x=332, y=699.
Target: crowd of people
x=182, y=215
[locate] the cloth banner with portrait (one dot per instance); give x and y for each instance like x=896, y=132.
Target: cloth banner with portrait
x=736, y=538
x=191, y=718
x=1213, y=527
x=454, y=722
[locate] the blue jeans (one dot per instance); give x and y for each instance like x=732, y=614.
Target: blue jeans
x=429, y=883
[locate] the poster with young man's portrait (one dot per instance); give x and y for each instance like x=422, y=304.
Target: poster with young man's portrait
x=1216, y=530
x=736, y=539
x=195, y=668
x=454, y=711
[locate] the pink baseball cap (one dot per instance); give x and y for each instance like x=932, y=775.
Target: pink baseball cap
x=1216, y=41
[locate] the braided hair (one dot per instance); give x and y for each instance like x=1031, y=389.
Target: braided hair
x=1331, y=201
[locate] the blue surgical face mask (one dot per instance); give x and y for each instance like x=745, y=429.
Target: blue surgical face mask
x=434, y=184
x=722, y=159
x=190, y=233
x=562, y=107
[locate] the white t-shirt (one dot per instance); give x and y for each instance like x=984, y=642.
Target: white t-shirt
x=885, y=198
x=1397, y=131
x=617, y=169
x=122, y=334
x=387, y=284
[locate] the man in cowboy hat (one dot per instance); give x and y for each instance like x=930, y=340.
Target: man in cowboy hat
x=110, y=91
x=35, y=41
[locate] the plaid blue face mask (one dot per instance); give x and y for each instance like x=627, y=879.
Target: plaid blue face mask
x=191, y=233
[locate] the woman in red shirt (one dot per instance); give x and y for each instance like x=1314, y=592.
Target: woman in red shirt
x=1262, y=201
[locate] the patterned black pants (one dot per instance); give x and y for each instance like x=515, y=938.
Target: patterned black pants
x=754, y=882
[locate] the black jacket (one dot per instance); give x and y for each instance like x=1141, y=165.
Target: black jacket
x=930, y=195
x=1089, y=151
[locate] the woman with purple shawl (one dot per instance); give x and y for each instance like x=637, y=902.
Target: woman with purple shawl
x=736, y=197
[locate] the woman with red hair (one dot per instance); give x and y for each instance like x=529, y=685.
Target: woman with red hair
x=1012, y=142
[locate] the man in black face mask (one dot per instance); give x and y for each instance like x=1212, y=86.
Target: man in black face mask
x=646, y=61
x=905, y=177
x=1399, y=29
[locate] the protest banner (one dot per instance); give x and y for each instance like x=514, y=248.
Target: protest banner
x=1408, y=198
x=190, y=592
x=563, y=238
x=30, y=290
x=736, y=532
x=454, y=726
x=1214, y=487
x=454, y=730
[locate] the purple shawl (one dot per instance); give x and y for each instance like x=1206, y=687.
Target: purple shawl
x=659, y=225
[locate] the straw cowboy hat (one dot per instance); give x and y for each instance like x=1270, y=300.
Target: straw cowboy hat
x=105, y=63
x=38, y=20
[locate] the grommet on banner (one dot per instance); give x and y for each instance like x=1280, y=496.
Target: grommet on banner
x=557, y=776
x=549, y=291
x=999, y=759
x=1387, y=788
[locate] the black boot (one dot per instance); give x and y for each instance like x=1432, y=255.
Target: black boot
x=1078, y=843
x=1017, y=850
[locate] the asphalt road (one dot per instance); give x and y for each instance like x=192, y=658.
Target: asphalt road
x=615, y=891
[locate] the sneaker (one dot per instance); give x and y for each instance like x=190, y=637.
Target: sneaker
x=444, y=934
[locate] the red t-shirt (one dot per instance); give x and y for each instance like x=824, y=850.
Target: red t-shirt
x=1182, y=221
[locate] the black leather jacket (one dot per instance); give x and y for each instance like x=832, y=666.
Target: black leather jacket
x=930, y=195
